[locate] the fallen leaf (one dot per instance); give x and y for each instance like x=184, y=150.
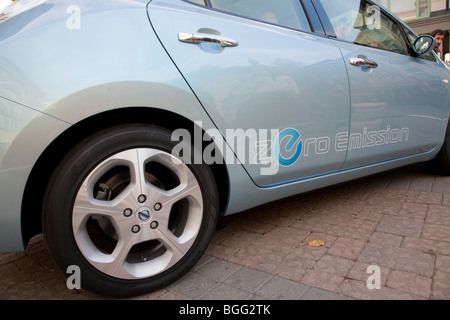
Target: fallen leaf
x=316, y=243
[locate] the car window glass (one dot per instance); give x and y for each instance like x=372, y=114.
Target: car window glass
x=286, y=13
x=363, y=23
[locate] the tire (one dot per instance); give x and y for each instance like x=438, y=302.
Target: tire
x=131, y=216
x=441, y=164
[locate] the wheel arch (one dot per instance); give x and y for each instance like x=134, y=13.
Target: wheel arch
x=40, y=175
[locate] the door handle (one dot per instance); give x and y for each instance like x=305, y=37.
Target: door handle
x=196, y=38
x=363, y=62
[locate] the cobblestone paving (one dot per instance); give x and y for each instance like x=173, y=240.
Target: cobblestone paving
x=398, y=221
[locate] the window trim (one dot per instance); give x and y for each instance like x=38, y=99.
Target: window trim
x=299, y=4
x=313, y=18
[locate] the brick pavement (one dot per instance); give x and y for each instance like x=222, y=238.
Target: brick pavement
x=398, y=221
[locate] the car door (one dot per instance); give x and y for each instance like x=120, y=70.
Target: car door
x=257, y=66
x=397, y=98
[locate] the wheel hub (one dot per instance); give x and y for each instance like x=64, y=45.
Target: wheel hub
x=143, y=215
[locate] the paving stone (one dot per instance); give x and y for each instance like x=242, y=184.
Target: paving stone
x=249, y=256
x=438, y=215
x=436, y=232
x=424, y=186
x=220, y=251
x=308, y=252
x=362, y=224
x=427, y=245
x=358, y=290
x=225, y=292
x=193, y=285
x=168, y=295
x=399, y=184
x=443, y=263
x=441, y=187
x=322, y=279
x=281, y=289
x=259, y=227
x=217, y=269
x=446, y=200
x=410, y=282
x=388, y=198
x=204, y=259
x=286, y=265
x=281, y=221
x=440, y=288
x=391, y=207
x=335, y=265
x=414, y=210
x=386, y=239
x=312, y=225
x=402, y=226
x=219, y=235
x=346, y=248
x=369, y=214
x=398, y=258
x=320, y=294
x=248, y=279
x=425, y=198
x=350, y=232
x=281, y=239
x=241, y=239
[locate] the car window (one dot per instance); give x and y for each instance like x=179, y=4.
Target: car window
x=362, y=23
x=286, y=13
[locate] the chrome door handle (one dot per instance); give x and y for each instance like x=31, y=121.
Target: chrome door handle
x=363, y=62
x=196, y=38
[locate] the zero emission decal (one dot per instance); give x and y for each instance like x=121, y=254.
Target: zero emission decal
x=273, y=148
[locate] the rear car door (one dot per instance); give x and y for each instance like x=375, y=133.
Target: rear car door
x=397, y=98
x=270, y=72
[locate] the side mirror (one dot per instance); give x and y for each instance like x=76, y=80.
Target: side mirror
x=423, y=45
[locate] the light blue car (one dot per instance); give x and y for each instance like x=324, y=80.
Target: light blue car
x=128, y=127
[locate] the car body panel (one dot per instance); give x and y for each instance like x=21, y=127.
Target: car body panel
x=396, y=107
x=20, y=146
x=272, y=68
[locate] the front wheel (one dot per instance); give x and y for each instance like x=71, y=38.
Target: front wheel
x=128, y=213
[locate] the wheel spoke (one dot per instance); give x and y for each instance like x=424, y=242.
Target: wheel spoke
x=114, y=264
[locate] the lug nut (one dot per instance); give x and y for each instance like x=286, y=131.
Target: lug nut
x=154, y=224
x=127, y=212
x=157, y=206
x=135, y=228
x=142, y=198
